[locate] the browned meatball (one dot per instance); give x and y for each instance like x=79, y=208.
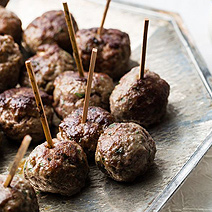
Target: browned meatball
x=48, y=28
x=85, y=134
x=125, y=151
x=19, y=115
x=10, y=24
x=142, y=101
x=19, y=197
x=62, y=169
x=113, y=50
x=70, y=90
x=10, y=62
x=47, y=64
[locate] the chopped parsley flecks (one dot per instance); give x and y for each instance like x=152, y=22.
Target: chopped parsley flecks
x=112, y=125
x=80, y=95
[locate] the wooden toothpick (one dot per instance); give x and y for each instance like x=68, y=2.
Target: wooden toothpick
x=143, y=57
x=73, y=39
x=39, y=104
x=89, y=82
x=20, y=154
x=103, y=19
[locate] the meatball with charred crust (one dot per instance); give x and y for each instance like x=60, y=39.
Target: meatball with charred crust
x=142, y=101
x=19, y=115
x=10, y=24
x=19, y=196
x=125, y=151
x=70, y=90
x=85, y=134
x=62, y=169
x=113, y=50
x=48, y=28
x=47, y=64
x=10, y=62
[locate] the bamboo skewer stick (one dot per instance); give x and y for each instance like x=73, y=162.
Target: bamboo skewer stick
x=143, y=57
x=89, y=82
x=39, y=104
x=20, y=154
x=73, y=39
x=99, y=32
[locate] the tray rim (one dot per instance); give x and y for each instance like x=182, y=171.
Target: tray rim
x=175, y=19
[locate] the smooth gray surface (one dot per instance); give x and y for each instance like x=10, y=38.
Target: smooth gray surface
x=186, y=125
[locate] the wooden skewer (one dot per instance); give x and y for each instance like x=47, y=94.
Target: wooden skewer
x=99, y=32
x=143, y=57
x=73, y=39
x=39, y=104
x=88, y=89
x=20, y=154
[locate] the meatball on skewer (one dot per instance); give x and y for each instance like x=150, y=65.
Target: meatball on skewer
x=54, y=160
x=125, y=151
x=10, y=24
x=17, y=194
x=62, y=169
x=140, y=97
x=19, y=115
x=85, y=125
x=113, y=49
x=70, y=89
x=48, y=63
x=85, y=134
x=48, y=28
x=10, y=62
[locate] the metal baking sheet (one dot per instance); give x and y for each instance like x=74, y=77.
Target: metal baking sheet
x=182, y=138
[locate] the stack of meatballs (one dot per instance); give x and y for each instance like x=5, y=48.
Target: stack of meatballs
x=113, y=135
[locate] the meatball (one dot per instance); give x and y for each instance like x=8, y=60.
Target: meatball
x=62, y=169
x=142, y=101
x=20, y=196
x=19, y=115
x=47, y=64
x=85, y=134
x=10, y=62
x=113, y=50
x=125, y=151
x=48, y=28
x=70, y=90
x=10, y=24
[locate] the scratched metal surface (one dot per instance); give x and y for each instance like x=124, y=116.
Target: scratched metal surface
x=183, y=130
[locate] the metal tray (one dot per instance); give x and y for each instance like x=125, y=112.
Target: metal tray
x=182, y=138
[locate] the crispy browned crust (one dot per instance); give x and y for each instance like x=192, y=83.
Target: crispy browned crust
x=86, y=134
x=47, y=64
x=125, y=151
x=62, y=169
x=70, y=89
x=19, y=115
x=48, y=28
x=113, y=50
x=20, y=196
x=10, y=62
x=10, y=24
x=142, y=101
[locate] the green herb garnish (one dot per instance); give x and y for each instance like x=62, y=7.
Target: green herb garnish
x=80, y=95
x=112, y=125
